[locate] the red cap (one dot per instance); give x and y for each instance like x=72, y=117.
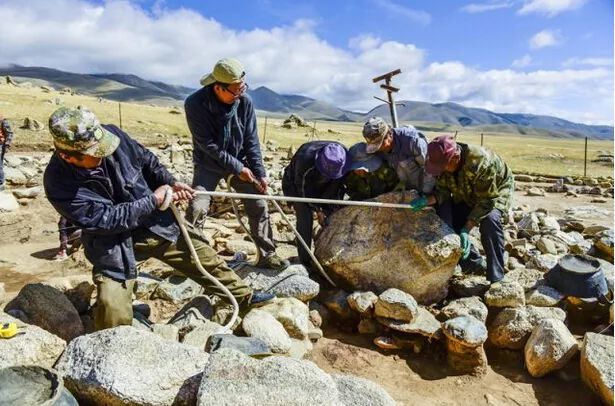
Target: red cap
x=439, y=154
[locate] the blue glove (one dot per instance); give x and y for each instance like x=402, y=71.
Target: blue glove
x=418, y=204
x=464, y=235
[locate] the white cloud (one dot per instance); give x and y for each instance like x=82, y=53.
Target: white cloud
x=179, y=45
x=550, y=8
x=545, y=38
x=522, y=62
x=418, y=16
x=588, y=62
x=474, y=8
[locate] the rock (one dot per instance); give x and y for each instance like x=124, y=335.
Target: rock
x=549, y=223
x=315, y=333
x=247, y=345
x=424, y=324
x=49, y=309
x=543, y=296
x=146, y=285
x=586, y=212
x=542, y=262
x=369, y=327
x=81, y=296
x=523, y=178
x=232, y=378
x=597, y=365
x=594, y=229
x=292, y=313
x=549, y=348
x=234, y=246
x=123, y=365
x=546, y=246
x=8, y=202
x=168, y=332
x=512, y=326
x=471, y=306
x=294, y=281
x=527, y=278
x=315, y=318
x=32, y=124
x=529, y=224
x=177, y=289
x=28, y=193
x=195, y=313
x=35, y=347
x=336, y=301
x=505, y=294
x=370, y=249
x=354, y=391
x=470, y=286
x=604, y=243
x=535, y=191
x=465, y=336
x=199, y=335
x=299, y=349
x=397, y=305
x=265, y=327
x=362, y=302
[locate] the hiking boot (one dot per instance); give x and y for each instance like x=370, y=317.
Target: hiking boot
x=274, y=262
x=260, y=298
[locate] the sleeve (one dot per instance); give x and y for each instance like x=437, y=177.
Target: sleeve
x=203, y=138
x=485, y=191
x=251, y=144
x=8, y=132
x=441, y=191
x=155, y=173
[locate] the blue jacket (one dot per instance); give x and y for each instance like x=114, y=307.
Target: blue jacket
x=108, y=206
x=205, y=116
x=408, y=159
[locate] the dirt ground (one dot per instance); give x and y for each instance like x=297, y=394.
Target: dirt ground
x=410, y=378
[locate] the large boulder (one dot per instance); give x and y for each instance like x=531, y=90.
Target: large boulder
x=294, y=281
x=354, y=391
x=47, y=308
x=549, y=347
x=597, y=365
x=125, y=366
x=374, y=249
x=34, y=347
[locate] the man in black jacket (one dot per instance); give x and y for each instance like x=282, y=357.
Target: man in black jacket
x=222, y=121
x=316, y=170
x=6, y=138
x=111, y=186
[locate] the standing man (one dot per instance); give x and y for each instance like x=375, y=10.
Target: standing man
x=222, y=121
x=111, y=186
x=474, y=188
x=6, y=138
x=316, y=170
x=404, y=149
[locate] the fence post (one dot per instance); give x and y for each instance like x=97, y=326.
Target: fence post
x=314, y=131
x=119, y=108
x=585, y=161
x=265, y=131
x=455, y=137
x=481, y=139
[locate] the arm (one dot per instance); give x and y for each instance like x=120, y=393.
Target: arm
x=203, y=138
x=486, y=192
x=8, y=132
x=251, y=144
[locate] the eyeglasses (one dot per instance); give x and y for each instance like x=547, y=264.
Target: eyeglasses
x=243, y=88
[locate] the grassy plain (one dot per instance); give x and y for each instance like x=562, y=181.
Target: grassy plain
x=154, y=125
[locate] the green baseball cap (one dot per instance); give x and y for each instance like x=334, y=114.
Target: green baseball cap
x=79, y=130
x=226, y=70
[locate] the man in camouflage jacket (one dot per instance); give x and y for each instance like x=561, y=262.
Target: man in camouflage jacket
x=6, y=138
x=369, y=175
x=474, y=187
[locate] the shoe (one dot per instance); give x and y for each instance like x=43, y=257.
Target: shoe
x=474, y=269
x=274, y=262
x=260, y=298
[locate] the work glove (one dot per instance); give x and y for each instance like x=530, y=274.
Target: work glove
x=418, y=204
x=464, y=235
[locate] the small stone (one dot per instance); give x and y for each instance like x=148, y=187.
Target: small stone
x=543, y=296
x=542, y=262
x=292, y=313
x=549, y=348
x=466, y=330
x=471, y=306
x=505, y=294
x=470, y=286
x=315, y=318
x=396, y=304
x=527, y=278
x=597, y=365
x=604, y=242
x=549, y=223
x=337, y=303
x=315, y=333
x=199, y=335
x=424, y=323
x=362, y=302
x=247, y=345
x=534, y=191
x=177, y=289
x=146, y=285
x=294, y=281
x=465, y=337
x=369, y=327
x=8, y=201
x=166, y=331
x=262, y=325
x=512, y=326
x=546, y=246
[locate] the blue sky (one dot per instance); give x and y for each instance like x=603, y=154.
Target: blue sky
x=535, y=56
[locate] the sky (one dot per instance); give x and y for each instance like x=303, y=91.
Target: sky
x=552, y=57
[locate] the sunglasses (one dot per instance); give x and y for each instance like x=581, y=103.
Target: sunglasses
x=242, y=89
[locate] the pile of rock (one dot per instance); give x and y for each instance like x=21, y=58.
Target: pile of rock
x=294, y=121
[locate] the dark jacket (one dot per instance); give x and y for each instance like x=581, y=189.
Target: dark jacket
x=109, y=206
x=302, y=179
x=206, y=120
x=6, y=133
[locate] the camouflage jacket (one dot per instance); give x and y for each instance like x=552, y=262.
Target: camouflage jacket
x=371, y=185
x=6, y=133
x=484, y=182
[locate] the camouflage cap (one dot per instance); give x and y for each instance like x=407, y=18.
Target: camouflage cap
x=226, y=70
x=79, y=130
x=374, y=131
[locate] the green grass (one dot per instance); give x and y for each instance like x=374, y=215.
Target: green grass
x=154, y=125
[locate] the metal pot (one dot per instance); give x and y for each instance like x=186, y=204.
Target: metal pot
x=579, y=276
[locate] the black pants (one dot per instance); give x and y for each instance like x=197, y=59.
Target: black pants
x=305, y=224
x=491, y=236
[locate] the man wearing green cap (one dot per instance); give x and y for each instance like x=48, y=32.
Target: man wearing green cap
x=222, y=121
x=111, y=186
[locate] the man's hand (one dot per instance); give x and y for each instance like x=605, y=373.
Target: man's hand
x=361, y=172
x=261, y=185
x=464, y=235
x=418, y=204
x=246, y=175
x=160, y=193
x=321, y=218
x=182, y=191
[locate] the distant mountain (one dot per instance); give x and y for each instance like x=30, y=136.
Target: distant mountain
x=438, y=116
x=484, y=120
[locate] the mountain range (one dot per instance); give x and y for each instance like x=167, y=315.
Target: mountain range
x=437, y=116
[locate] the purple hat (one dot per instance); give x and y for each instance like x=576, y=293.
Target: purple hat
x=439, y=154
x=331, y=161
